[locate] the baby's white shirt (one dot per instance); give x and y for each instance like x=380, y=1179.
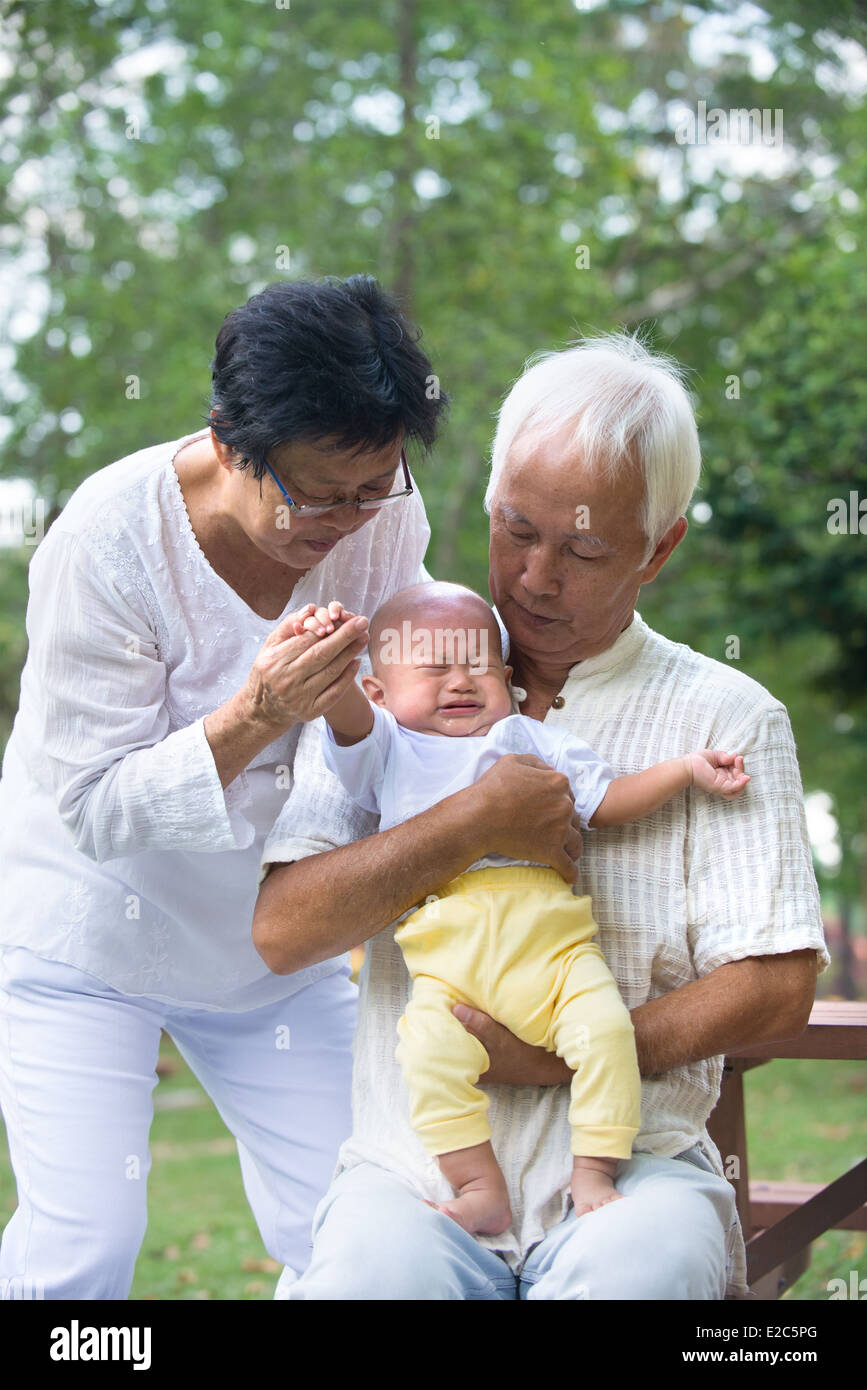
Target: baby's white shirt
x=399, y=772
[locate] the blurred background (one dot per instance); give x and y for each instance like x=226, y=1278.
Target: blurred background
x=517, y=172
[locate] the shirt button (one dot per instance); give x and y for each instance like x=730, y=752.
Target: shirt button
x=558, y=702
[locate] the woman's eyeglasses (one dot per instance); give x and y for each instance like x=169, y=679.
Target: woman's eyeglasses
x=364, y=504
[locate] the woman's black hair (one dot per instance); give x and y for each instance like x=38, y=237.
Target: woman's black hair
x=315, y=360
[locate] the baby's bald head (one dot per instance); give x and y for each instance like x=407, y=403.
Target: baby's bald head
x=437, y=612
x=436, y=653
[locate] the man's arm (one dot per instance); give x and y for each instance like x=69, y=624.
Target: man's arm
x=757, y=999
x=314, y=908
x=756, y=950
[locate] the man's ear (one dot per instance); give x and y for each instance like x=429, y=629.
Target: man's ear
x=669, y=543
x=373, y=689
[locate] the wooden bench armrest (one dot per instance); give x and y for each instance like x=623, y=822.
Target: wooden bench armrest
x=837, y=1029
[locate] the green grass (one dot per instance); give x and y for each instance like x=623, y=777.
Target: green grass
x=201, y=1241
x=805, y=1122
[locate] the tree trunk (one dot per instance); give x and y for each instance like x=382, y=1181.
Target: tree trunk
x=399, y=239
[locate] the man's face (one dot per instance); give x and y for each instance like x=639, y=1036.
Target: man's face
x=566, y=552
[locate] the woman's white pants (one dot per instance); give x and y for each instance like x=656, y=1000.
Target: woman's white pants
x=77, y=1074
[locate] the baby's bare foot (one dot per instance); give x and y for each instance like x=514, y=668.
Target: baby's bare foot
x=482, y=1211
x=482, y=1206
x=592, y=1189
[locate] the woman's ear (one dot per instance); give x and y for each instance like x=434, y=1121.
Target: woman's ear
x=224, y=452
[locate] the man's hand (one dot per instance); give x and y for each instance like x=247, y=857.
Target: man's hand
x=528, y=812
x=754, y=1000
x=511, y=1061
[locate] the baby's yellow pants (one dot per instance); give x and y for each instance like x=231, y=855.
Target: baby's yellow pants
x=516, y=943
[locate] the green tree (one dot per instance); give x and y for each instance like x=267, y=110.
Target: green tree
x=163, y=161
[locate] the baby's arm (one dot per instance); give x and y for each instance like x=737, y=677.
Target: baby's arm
x=630, y=798
x=351, y=717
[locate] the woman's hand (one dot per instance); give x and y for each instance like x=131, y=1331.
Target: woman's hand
x=298, y=674
x=511, y=1061
x=296, y=677
x=528, y=812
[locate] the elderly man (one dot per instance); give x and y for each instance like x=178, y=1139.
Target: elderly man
x=708, y=912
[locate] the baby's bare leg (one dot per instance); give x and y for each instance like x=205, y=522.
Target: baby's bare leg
x=593, y=1183
x=483, y=1206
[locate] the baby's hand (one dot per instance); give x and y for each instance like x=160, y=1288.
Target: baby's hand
x=324, y=620
x=720, y=773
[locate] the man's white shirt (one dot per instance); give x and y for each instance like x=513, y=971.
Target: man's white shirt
x=699, y=883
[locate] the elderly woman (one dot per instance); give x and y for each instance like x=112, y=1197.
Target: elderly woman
x=161, y=704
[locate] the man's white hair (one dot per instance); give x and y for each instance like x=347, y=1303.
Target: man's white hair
x=628, y=406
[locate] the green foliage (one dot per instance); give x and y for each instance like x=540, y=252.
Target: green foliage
x=159, y=156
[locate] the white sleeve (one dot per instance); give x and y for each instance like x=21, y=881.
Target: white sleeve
x=750, y=885
x=360, y=766
x=121, y=782
x=589, y=776
x=318, y=814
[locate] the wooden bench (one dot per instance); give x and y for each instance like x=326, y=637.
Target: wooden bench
x=781, y=1219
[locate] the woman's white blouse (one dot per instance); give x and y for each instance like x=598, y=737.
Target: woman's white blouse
x=122, y=854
